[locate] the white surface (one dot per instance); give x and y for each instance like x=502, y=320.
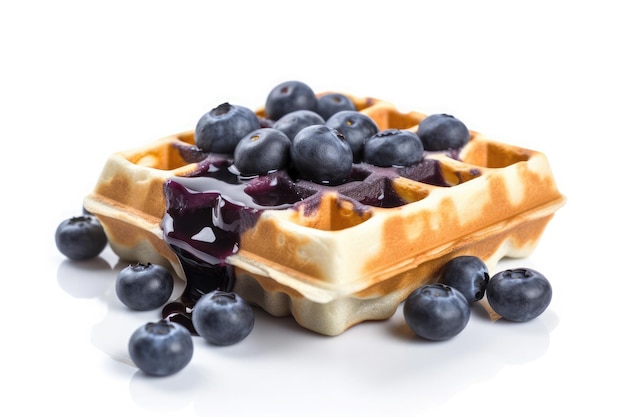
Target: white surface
x=80, y=80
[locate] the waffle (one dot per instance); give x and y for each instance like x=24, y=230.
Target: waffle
x=330, y=256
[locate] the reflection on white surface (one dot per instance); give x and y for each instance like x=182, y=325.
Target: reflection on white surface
x=87, y=279
x=281, y=358
x=168, y=394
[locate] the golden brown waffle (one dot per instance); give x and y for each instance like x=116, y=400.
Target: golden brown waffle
x=349, y=253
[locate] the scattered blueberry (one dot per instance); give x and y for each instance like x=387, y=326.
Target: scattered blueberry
x=287, y=97
x=222, y=318
x=393, y=147
x=321, y=154
x=468, y=274
x=436, y=312
x=144, y=287
x=81, y=237
x=331, y=103
x=261, y=151
x=519, y=294
x=161, y=349
x=355, y=128
x=293, y=122
x=220, y=129
x=440, y=132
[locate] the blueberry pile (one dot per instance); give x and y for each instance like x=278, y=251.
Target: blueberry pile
x=322, y=155
x=441, y=311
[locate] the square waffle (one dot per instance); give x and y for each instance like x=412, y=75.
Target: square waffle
x=330, y=256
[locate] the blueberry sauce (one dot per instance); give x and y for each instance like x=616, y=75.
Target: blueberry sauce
x=205, y=216
x=208, y=210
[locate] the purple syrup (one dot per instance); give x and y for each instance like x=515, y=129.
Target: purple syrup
x=380, y=194
x=276, y=189
x=204, y=219
x=428, y=171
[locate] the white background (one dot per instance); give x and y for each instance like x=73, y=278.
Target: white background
x=80, y=80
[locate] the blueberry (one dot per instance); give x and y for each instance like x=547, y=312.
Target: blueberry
x=322, y=155
x=144, y=287
x=161, y=349
x=261, y=151
x=331, y=103
x=436, y=312
x=222, y=318
x=440, y=132
x=81, y=237
x=293, y=122
x=393, y=147
x=519, y=294
x=355, y=128
x=287, y=97
x=220, y=129
x=468, y=274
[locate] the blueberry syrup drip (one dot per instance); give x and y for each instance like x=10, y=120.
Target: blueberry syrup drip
x=205, y=217
x=208, y=210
